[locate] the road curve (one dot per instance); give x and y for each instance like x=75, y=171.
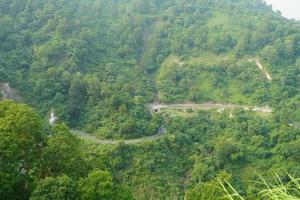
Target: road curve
x=156, y=107
x=91, y=138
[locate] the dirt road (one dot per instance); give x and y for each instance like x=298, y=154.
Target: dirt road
x=209, y=106
x=161, y=132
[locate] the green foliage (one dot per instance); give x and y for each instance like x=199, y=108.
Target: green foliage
x=210, y=190
x=77, y=58
x=62, y=154
x=288, y=190
x=38, y=163
x=99, y=185
x=20, y=141
x=59, y=188
x=85, y=59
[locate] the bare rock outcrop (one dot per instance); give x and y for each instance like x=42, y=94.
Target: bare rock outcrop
x=7, y=92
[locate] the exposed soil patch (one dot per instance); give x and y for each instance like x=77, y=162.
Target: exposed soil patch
x=262, y=68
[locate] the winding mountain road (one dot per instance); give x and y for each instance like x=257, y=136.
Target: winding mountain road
x=209, y=106
x=161, y=132
x=156, y=107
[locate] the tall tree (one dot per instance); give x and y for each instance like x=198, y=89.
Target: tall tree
x=59, y=188
x=20, y=144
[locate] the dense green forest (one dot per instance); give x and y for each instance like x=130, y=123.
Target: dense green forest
x=42, y=162
x=99, y=64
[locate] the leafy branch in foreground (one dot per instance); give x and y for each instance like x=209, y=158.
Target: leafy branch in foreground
x=277, y=191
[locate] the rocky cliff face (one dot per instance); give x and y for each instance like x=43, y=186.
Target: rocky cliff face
x=8, y=93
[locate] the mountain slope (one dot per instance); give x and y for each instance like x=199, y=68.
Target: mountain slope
x=106, y=67
x=98, y=63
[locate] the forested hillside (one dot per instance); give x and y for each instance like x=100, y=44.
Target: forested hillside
x=100, y=66
x=41, y=162
x=88, y=60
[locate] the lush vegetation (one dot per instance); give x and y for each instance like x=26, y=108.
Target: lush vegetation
x=41, y=162
x=280, y=190
x=98, y=64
